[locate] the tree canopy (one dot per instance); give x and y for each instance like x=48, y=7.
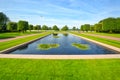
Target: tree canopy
x=55, y=28
x=65, y=28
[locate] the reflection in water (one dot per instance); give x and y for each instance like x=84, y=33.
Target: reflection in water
x=23, y=47
x=65, y=34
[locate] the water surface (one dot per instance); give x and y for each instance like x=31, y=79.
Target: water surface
x=65, y=42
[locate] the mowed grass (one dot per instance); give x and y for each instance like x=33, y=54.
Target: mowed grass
x=103, y=40
x=15, y=34
x=35, y=69
x=106, y=34
x=8, y=44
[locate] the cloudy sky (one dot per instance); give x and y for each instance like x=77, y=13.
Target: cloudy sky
x=60, y=12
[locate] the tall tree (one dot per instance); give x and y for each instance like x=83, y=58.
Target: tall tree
x=98, y=27
x=65, y=28
x=30, y=27
x=3, y=21
x=12, y=26
x=92, y=28
x=44, y=27
x=22, y=26
x=82, y=28
x=74, y=28
x=117, y=25
x=86, y=27
x=109, y=24
x=55, y=28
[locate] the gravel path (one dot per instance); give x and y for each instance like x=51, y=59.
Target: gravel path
x=3, y=40
x=106, y=37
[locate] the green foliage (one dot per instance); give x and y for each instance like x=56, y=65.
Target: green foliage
x=117, y=25
x=55, y=28
x=12, y=26
x=3, y=21
x=98, y=27
x=65, y=28
x=47, y=46
x=92, y=28
x=44, y=27
x=30, y=27
x=74, y=28
x=80, y=46
x=109, y=24
x=85, y=27
x=22, y=26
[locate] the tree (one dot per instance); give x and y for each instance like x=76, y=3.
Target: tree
x=30, y=27
x=92, y=28
x=38, y=27
x=55, y=28
x=49, y=28
x=65, y=28
x=82, y=28
x=44, y=27
x=12, y=26
x=109, y=24
x=22, y=26
x=74, y=28
x=86, y=27
x=98, y=27
x=117, y=25
x=3, y=21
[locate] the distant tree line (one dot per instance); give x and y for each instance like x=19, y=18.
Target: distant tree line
x=23, y=26
x=111, y=25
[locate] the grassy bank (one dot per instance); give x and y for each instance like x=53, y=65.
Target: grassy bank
x=8, y=44
x=103, y=40
x=28, y=69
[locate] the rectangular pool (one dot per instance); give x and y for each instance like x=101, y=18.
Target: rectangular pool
x=65, y=46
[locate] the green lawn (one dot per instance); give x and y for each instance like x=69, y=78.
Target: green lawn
x=29, y=69
x=106, y=41
x=15, y=42
x=105, y=34
x=15, y=34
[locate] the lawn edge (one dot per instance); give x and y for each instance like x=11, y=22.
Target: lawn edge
x=20, y=45
x=99, y=43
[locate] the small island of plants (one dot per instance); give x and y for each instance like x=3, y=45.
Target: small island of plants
x=81, y=46
x=47, y=46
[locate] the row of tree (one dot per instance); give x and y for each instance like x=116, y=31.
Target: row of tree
x=23, y=26
x=105, y=25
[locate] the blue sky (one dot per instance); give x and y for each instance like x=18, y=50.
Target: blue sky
x=60, y=12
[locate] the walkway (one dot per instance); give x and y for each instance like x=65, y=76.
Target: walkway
x=8, y=39
x=106, y=37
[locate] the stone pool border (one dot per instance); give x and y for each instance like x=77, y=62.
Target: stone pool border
x=20, y=45
x=24, y=56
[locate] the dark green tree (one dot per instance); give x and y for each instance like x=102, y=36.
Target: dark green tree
x=65, y=28
x=74, y=28
x=86, y=27
x=22, y=26
x=55, y=28
x=117, y=25
x=82, y=28
x=12, y=26
x=98, y=27
x=44, y=27
x=3, y=21
x=30, y=27
x=92, y=28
